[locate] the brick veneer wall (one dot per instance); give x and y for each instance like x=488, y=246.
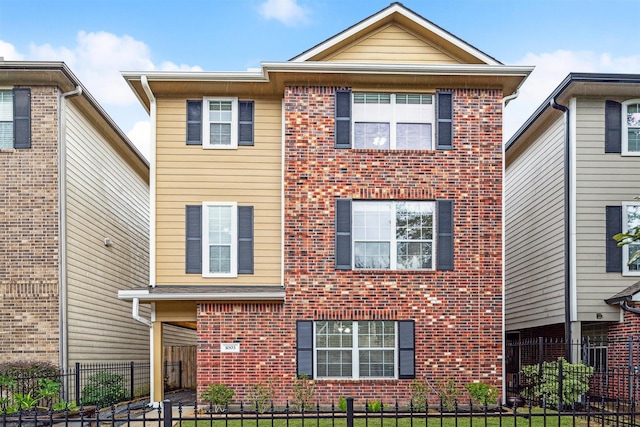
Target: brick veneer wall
x=458, y=313
x=29, y=238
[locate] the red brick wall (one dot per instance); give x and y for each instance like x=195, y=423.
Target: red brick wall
x=458, y=313
x=29, y=238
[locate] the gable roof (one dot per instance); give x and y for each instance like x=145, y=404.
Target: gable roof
x=398, y=14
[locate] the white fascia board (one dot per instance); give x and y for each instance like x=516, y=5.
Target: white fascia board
x=396, y=8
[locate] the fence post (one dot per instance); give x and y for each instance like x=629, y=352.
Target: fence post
x=560, y=385
x=180, y=374
x=631, y=369
x=77, y=383
x=540, y=361
x=349, y=411
x=131, y=381
x=168, y=413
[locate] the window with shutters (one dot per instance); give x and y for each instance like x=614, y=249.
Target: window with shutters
x=6, y=119
x=219, y=237
x=630, y=220
x=393, y=235
x=220, y=122
x=393, y=121
x=631, y=127
x=355, y=349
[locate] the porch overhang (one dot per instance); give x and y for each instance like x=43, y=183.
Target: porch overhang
x=631, y=293
x=204, y=293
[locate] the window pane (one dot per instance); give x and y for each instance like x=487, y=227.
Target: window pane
x=220, y=134
x=219, y=259
x=414, y=256
x=6, y=135
x=376, y=334
x=413, y=136
x=334, y=334
x=372, y=136
x=372, y=255
x=220, y=111
x=404, y=98
x=376, y=363
x=6, y=106
x=633, y=127
x=372, y=98
x=414, y=221
x=372, y=221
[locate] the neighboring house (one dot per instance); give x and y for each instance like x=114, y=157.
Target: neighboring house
x=338, y=214
x=572, y=182
x=74, y=222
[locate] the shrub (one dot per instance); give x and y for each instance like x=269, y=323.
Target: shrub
x=218, y=395
x=374, y=406
x=260, y=396
x=303, y=390
x=27, y=375
x=447, y=393
x=545, y=385
x=104, y=389
x=482, y=393
x=419, y=394
x=342, y=404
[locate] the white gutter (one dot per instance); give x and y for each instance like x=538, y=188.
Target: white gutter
x=145, y=295
x=136, y=313
x=62, y=227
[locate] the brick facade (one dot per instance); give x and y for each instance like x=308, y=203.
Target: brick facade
x=29, y=327
x=458, y=313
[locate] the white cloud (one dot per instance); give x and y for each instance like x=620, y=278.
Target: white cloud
x=98, y=59
x=140, y=135
x=9, y=52
x=289, y=12
x=551, y=69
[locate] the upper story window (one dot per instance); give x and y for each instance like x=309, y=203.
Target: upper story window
x=631, y=127
x=393, y=121
x=219, y=239
x=393, y=235
x=15, y=118
x=630, y=219
x=6, y=119
x=220, y=123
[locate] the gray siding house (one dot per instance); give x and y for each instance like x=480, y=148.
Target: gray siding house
x=572, y=181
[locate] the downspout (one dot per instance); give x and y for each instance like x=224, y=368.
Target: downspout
x=63, y=357
x=567, y=229
x=505, y=101
x=136, y=313
x=152, y=229
x=626, y=307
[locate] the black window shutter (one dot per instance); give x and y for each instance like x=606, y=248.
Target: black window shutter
x=444, y=218
x=304, y=348
x=194, y=122
x=612, y=127
x=21, y=117
x=406, y=349
x=245, y=123
x=444, y=129
x=343, y=119
x=343, y=234
x=614, y=226
x=193, y=248
x=245, y=239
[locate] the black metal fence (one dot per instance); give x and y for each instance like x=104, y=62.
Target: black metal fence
x=89, y=384
x=169, y=414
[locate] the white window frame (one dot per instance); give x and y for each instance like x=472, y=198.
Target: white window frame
x=626, y=249
x=355, y=352
x=392, y=114
x=233, y=268
x=625, y=129
x=7, y=117
x=206, y=122
x=393, y=240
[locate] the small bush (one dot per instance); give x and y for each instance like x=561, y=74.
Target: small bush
x=482, y=393
x=218, y=395
x=374, y=406
x=419, y=394
x=260, y=396
x=303, y=390
x=545, y=385
x=27, y=375
x=447, y=393
x=104, y=389
x=342, y=404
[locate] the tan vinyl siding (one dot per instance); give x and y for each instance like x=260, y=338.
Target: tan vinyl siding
x=601, y=180
x=534, y=229
x=175, y=335
x=190, y=175
x=105, y=199
x=393, y=44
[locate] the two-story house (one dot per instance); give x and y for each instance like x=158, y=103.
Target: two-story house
x=73, y=222
x=572, y=182
x=338, y=214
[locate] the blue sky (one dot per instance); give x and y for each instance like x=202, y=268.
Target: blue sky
x=100, y=38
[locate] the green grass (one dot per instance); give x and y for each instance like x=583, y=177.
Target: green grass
x=537, y=419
